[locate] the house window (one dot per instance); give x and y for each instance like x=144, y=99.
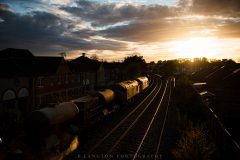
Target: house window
x=63, y=95
x=10, y=104
x=59, y=79
x=79, y=77
x=75, y=92
x=56, y=97
x=39, y=100
x=66, y=78
x=52, y=79
x=63, y=78
x=73, y=78
x=39, y=82
x=49, y=98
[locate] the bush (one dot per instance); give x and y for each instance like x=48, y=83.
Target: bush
x=194, y=144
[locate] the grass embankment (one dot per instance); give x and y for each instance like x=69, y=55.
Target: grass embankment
x=195, y=140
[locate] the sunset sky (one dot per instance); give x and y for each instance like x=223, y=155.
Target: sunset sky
x=114, y=29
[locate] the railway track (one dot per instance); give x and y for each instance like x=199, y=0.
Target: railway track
x=105, y=144
x=129, y=137
x=91, y=135
x=152, y=140
x=139, y=132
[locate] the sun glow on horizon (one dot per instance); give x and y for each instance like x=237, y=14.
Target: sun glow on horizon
x=196, y=47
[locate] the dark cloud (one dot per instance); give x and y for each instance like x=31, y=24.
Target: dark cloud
x=213, y=7
x=155, y=31
x=229, y=30
x=108, y=14
x=45, y=32
x=137, y=32
x=84, y=33
x=4, y=6
x=147, y=23
x=19, y=30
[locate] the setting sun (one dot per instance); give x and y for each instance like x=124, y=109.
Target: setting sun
x=196, y=47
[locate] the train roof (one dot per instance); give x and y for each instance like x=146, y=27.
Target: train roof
x=45, y=117
x=142, y=79
x=107, y=95
x=128, y=84
x=83, y=99
x=206, y=94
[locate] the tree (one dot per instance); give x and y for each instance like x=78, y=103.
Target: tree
x=169, y=67
x=63, y=54
x=159, y=62
x=230, y=62
x=134, y=59
x=152, y=63
x=194, y=144
x=134, y=66
x=94, y=57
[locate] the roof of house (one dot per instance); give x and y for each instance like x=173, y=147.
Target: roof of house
x=84, y=64
x=226, y=74
x=46, y=65
x=12, y=64
x=112, y=65
x=83, y=59
x=14, y=53
x=37, y=66
x=84, y=67
x=21, y=62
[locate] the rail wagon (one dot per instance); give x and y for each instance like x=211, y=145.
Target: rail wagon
x=106, y=96
x=126, y=90
x=143, y=82
x=44, y=119
x=90, y=110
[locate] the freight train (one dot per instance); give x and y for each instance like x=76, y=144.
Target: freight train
x=89, y=109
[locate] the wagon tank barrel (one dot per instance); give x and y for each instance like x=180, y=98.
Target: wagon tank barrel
x=46, y=117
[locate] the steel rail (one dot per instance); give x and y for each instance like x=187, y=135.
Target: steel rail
x=135, y=121
x=164, y=122
x=122, y=121
x=151, y=122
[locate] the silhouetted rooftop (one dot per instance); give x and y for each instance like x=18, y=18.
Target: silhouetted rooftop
x=84, y=67
x=46, y=65
x=111, y=65
x=227, y=74
x=16, y=53
x=29, y=66
x=84, y=64
x=84, y=59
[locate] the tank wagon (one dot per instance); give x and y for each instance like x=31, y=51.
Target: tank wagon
x=44, y=119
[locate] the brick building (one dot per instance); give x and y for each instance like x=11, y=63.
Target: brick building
x=29, y=82
x=53, y=81
x=93, y=72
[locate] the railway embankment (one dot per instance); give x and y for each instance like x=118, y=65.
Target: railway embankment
x=193, y=137
x=200, y=133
